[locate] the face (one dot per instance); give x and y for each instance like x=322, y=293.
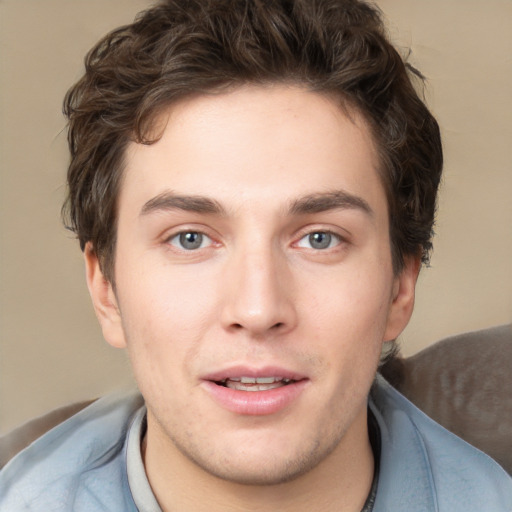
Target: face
x=254, y=282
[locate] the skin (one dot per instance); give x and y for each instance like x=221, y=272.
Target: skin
x=256, y=293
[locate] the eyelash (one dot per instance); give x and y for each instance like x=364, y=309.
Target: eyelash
x=178, y=240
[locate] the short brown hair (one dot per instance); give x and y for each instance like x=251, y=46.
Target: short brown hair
x=184, y=47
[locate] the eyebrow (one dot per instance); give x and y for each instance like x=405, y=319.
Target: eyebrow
x=171, y=201
x=309, y=204
x=333, y=200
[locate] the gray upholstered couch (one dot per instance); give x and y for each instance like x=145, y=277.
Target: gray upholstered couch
x=465, y=384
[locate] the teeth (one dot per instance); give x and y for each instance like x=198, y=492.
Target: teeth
x=258, y=380
x=255, y=383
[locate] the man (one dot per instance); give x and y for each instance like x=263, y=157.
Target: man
x=253, y=184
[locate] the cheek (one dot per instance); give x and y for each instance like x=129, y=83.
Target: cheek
x=158, y=295
x=348, y=296
x=349, y=312
x=165, y=313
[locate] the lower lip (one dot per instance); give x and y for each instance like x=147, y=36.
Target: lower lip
x=255, y=403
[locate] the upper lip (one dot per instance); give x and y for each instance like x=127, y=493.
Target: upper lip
x=252, y=371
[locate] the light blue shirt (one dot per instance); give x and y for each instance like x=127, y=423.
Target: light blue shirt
x=92, y=463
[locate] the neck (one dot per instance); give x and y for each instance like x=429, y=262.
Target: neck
x=341, y=482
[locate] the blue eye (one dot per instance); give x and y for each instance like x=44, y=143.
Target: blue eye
x=319, y=240
x=190, y=240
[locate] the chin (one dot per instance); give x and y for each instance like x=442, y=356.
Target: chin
x=266, y=465
x=269, y=474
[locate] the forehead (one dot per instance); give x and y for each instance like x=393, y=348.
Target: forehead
x=255, y=144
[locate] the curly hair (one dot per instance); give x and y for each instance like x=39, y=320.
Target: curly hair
x=184, y=47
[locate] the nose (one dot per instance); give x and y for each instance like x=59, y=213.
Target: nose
x=258, y=293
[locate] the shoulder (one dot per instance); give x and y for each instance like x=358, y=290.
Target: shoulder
x=76, y=464
x=424, y=464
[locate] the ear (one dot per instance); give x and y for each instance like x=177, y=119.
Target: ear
x=103, y=300
x=402, y=305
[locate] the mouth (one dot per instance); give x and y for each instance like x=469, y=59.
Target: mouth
x=248, y=391
x=255, y=383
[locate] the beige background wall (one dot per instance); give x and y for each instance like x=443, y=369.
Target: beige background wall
x=51, y=350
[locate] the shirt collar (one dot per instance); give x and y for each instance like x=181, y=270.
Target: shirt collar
x=142, y=494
